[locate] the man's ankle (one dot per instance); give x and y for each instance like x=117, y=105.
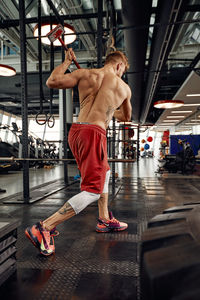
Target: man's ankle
x=104, y=217
x=45, y=226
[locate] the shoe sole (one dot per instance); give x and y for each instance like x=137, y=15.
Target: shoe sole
x=47, y=254
x=111, y=230
x=33, y=242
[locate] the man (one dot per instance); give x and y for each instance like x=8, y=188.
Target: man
x=103, y=94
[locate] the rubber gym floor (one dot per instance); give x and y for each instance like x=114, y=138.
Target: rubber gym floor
x=89, y=265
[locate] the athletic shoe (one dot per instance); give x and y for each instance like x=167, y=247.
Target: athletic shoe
x=110, y=225
x=41, y=239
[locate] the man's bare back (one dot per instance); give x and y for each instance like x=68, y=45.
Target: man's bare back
x=101, y=93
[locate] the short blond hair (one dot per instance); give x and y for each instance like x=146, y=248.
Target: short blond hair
x=115, y=56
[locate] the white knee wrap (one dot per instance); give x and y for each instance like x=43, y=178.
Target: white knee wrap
x=105, y=188
x=81, y=200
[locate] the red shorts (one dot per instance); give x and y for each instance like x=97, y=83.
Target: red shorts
x=88, y=143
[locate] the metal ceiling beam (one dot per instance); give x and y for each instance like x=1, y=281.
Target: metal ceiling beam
x=30, y=6
x=9, y=10
x=74, y=6
x=135, y=14
x=58, y=17
x=5, y=24
x=192, y=8
x=188, y=8
x=162, y=42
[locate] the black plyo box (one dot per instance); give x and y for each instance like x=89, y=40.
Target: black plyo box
x=8, y=238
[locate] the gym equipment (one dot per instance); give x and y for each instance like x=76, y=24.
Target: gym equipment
x=149, y=139
x=147, y=154
x=131, y=133
x=8, y=150
x=37, y=148
x=50, y=118
x=170, y=265
x=146, y=146
x=184, y=161
x=8, y=237
x=55, y=34
x=143, y=141
x=41, y=116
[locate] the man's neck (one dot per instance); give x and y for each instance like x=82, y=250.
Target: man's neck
x=110, y=68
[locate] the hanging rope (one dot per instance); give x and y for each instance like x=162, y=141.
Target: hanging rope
x=50, y=118
x=41, y=117
x=111, y=21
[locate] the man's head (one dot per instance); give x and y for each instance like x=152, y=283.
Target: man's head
x=118, y=59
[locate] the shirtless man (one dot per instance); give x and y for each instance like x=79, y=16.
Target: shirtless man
x=103, y=94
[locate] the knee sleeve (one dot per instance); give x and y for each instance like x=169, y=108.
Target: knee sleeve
x=81, y=200
x=105, y=188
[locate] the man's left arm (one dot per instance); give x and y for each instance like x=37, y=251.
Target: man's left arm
x=124, y=113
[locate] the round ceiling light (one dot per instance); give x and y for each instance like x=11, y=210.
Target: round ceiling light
x=46, y=28
x=7, y=70
x=167, y=104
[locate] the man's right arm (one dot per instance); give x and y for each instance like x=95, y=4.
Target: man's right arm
x=58, y=79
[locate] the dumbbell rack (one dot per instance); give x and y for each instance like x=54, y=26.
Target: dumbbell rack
x=8, y=238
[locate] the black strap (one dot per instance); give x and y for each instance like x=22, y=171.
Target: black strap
x=40, y=113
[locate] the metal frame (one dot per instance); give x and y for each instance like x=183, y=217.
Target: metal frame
x=26, y=192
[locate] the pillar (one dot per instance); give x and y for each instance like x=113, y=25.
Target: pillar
x=7, y=130
x=69, y=115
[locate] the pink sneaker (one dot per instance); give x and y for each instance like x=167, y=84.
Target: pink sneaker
x=41, y=239
x=110, y=225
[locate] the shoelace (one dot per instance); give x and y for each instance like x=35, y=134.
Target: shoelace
x=113, y=220
x=106, y=223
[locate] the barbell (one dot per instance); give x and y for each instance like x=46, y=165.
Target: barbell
x=12, y=158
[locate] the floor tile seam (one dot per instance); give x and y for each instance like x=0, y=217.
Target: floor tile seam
x=68, y=264
x=108, y=262
x=129, y=273
x=132, y=238
x=41, y=266
x=93, y=263
x=128, y=267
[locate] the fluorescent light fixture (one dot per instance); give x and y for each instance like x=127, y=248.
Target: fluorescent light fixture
x=181, y=111
x=167, y=125
x=193, y=120
x=191, y=124
x=117, y=4
x=192, y=104
x=7, y=71
x=171, y=117
x=170, y=121
x=168, y=104
x=193, y=95
x=155, y=2
x=46, y=28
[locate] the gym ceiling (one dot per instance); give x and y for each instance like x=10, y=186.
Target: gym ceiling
x=161, y=39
